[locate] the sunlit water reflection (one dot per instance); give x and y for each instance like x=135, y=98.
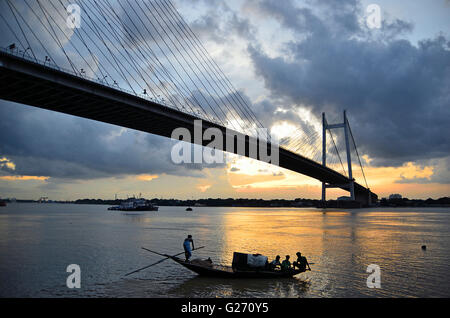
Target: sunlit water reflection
x=38, y=241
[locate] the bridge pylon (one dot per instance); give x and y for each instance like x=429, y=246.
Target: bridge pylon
x=351, y=185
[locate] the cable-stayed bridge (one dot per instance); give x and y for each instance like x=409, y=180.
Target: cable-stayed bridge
x=138, y=64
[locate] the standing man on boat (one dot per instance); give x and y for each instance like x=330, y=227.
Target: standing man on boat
x=187, y=247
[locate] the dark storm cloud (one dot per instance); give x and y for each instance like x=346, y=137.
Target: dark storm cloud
x=155, y=22
x=45, y=143
x=397, y=93
x=208, y=27
x=220, y=23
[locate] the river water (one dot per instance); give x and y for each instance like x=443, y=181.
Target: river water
x=39, y=241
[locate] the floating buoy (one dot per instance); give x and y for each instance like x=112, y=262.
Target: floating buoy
x=424, y=247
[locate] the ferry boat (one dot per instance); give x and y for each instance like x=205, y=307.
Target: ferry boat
x=135, y=205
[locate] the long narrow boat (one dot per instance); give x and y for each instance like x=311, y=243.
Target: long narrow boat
x=207, y=268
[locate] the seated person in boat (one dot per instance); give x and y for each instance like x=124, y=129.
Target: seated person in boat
x=301, y=262
x=275, y=263
x=286, y=265
x=187, y=247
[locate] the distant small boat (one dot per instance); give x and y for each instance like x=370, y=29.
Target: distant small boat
x=135, y=205
x=189, y=209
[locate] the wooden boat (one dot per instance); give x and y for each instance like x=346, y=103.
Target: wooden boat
x=241, y=266
x=209, y=269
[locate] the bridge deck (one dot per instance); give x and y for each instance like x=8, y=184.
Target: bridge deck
x=26, y=82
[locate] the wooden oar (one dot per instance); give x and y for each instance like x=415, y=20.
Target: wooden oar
x=167, y=256
x=160, y=261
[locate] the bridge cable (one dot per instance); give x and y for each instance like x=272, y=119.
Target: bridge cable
x=131, y=61
x=192, y=45
x=216, y=70
x=163, y=90
x=173, y=54
x=184, y=58
x=177, y=60
x=55, y=35
x=118, y=63
x=31, y=30
x=359, y=159
x=94, y=57
x=20, y=27
x=152, y=58
x=211, y=60
x=194, y=48
x=183, y=48
x=153, y=66
x=337, y=151
x=12, y=30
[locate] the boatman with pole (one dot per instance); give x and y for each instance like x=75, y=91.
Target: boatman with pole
x=187, y=247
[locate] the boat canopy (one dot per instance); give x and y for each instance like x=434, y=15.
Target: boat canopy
x=243, y=261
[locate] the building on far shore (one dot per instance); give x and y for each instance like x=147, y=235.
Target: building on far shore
x=395, y=196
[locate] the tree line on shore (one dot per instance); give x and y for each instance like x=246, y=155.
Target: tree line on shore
x=231, y=202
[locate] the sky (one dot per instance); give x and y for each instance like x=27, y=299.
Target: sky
x=292, y=60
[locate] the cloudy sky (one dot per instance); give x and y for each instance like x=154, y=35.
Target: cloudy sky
x=292, y=60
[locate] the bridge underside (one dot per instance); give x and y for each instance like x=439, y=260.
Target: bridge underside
x=29, y=83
